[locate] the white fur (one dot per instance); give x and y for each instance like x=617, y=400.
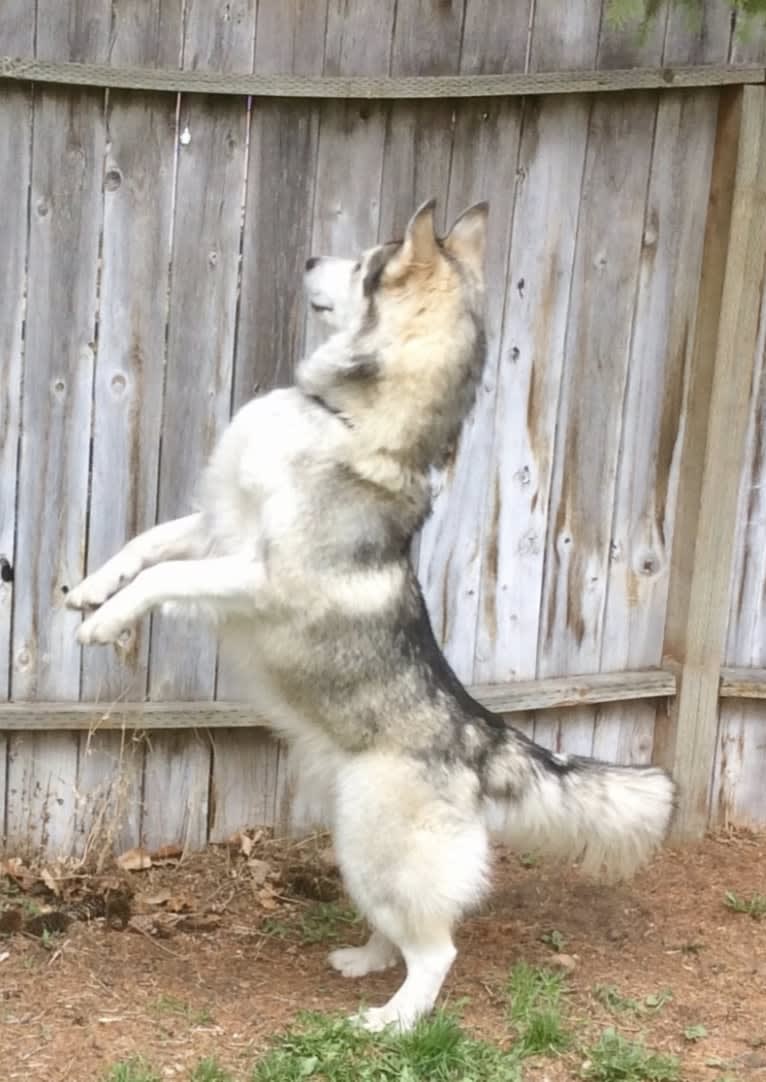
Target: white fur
x=413, y=859
x=611, y=820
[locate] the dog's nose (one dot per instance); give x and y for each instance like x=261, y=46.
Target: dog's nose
x=311, y=263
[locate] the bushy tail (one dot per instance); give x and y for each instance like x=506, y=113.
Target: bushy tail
x=610, y=818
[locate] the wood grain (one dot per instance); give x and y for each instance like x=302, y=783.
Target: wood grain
x=516, y=696
x=201, y=330
x=595, y=369
x=654, y=409
x=536, y=307
x=15, y=162
x=723, y=365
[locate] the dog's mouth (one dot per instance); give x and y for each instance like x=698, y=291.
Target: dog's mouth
x=317, y=307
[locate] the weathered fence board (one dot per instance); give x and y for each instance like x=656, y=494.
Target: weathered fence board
x=594, y=377
x=739, y=782
x=701, y=40
x=723, y=363
x=203, y=291
x=654, y=410
x=15, y=164
x=177, y=763
x=536, y=294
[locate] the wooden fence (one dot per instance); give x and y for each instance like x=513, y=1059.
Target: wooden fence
x=596, y=562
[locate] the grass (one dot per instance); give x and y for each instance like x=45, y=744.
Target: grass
x=333, y=1050
x=324, y=922
x=609, y=996
x=132, y=1070
x=554, y=940
x=181, y=1009
x=208, y=1070
x=755, y=906
x=616, y=1059
x=138, y=1070
x=535, y=1010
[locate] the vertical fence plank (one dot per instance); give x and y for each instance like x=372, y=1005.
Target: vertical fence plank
x=65, y=223
x=739, y=793
x=176, y=790
x=198, y=388
x=594, y=375
x=109, y=783
x=40, y=796
x=723, y=360
x=283, y=143
x=16, y=39
x=699, y=37
x=564, y=37
x=138, y=206
x=748, y=39
x=484, y=157
x=654, y=412
x=495, y=37
x=206, y=239
x=542, y=249
x=427, y=37
x=628, y=46
x=245, y=781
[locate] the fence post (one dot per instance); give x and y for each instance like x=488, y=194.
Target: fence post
x=720, y=383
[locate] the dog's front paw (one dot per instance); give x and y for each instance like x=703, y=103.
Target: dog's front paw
x=91, y=593
x=102, y=584
x=109, y=624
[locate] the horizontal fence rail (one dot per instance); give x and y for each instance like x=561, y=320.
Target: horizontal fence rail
x=406, y=87
x=515, y=697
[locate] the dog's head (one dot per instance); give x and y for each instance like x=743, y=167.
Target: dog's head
x=408, y=348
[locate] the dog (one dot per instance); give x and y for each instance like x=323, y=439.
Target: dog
x=300, y=552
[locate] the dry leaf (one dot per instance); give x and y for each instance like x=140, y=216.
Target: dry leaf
x=267, y=899
x=166, y=853
x=134, y=860
x=178, y=904
x=14, y=869
x=154, y=899
x=51, y=883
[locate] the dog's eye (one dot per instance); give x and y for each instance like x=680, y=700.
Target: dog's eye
x=357, y=267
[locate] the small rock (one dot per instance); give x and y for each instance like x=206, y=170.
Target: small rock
x=567, y=962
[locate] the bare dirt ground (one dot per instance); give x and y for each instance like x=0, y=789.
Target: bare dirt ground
x=222, y=950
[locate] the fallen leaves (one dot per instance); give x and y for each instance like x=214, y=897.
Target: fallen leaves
x=134, y=860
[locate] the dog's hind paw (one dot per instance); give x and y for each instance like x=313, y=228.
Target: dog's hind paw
x=376, y=1019
x=378, y=953
x=373, y=957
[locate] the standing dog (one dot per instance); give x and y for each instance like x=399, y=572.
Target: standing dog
x=301, y=553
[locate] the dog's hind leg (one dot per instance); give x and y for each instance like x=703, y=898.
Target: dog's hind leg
x=414, y=854
x=180, y=539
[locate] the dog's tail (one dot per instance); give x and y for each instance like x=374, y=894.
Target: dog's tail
x=610, y=818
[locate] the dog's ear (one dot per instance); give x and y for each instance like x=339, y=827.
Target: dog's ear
x=467, y=240
x=419, y=244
